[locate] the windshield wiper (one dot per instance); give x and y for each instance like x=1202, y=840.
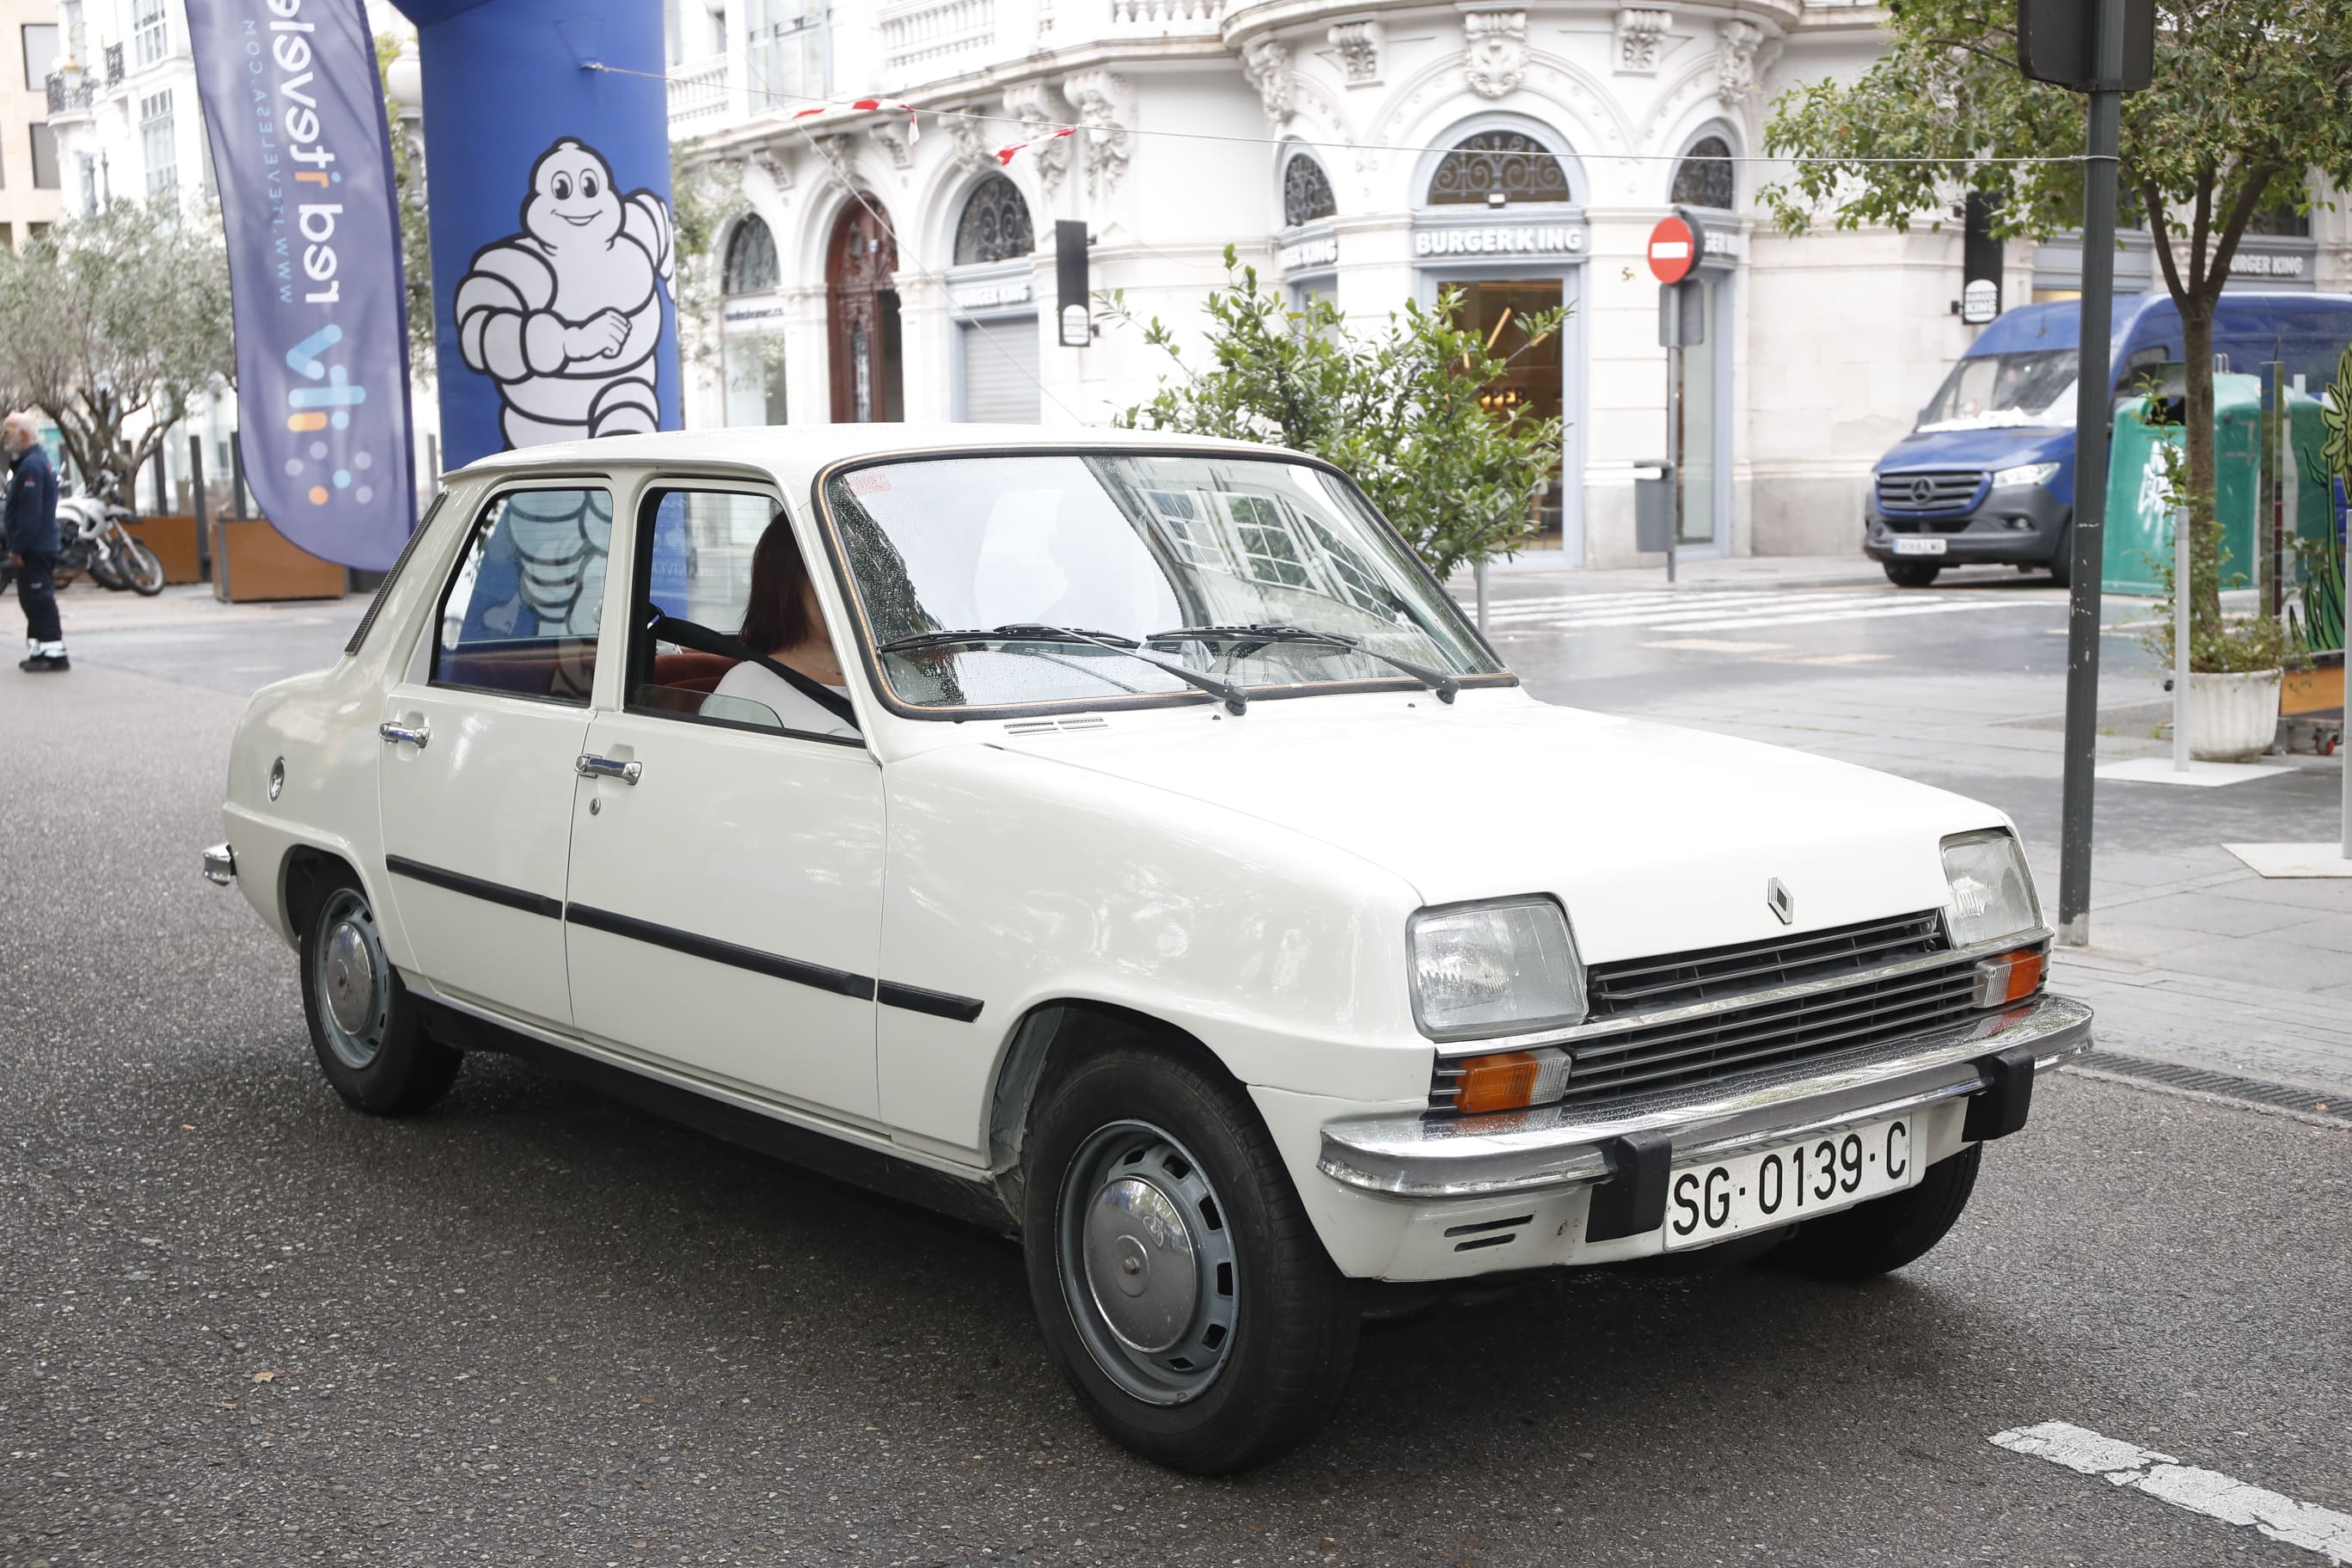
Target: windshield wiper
x=1235, y=701
x=1437, y=681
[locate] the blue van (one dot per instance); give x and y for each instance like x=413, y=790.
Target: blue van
x=1988, y=475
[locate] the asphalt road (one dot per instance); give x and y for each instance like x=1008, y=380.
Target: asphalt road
x=245, y=1326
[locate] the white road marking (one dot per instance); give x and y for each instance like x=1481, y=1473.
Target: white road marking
x=1668, y=611
x=1714, y=645
x=2208, y=1492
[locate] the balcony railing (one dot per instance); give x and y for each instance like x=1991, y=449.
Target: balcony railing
x=916, y=34
x=698, y=95
x=1128, y=17
x=70, y=98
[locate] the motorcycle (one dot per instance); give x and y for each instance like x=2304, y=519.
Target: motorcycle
x=93, y=541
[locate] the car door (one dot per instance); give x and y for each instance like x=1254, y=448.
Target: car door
x=476, y=778
x=726, y=886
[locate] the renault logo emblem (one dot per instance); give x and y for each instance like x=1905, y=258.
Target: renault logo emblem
x=1776, y=896
x=1922, y=491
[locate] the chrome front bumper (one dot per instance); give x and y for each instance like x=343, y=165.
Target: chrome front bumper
x=1635, y=1142
x=220, y=866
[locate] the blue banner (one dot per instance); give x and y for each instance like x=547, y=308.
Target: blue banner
x=547, y=147
x=295, y=111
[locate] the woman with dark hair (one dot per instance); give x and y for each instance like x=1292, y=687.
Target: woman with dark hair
x=782, y=620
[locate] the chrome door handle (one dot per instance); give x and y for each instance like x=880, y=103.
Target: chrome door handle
x=590, y=767
x=395, y=733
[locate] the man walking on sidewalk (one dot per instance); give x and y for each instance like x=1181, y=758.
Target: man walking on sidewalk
x=32, y=544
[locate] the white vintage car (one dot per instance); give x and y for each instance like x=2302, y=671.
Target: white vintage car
x=1113, y=837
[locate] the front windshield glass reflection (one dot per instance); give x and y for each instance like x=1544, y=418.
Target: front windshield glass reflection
x=1986, y=391
x=1124, y=547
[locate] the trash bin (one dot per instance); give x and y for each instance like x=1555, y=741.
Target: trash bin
x=2140, y=524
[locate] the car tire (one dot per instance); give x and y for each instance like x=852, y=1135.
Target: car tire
x=1884, y=1234
x=365, y=1027
x=2062, y=564
x=1148, y=1178
x=1912, y=573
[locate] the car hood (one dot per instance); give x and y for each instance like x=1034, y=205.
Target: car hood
x=1657, y=839
x=1993, y=447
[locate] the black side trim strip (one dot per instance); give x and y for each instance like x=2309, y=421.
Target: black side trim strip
x=938, y=1004
x=474, y=887
x=839, y=980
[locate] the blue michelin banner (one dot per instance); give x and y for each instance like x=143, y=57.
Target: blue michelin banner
x=547, y=134
x=295, y=111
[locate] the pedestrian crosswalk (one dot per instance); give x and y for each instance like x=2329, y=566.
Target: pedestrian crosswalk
x=1669, y=610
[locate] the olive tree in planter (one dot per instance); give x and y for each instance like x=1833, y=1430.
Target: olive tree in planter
x=2235, y=664
x=1398, y=409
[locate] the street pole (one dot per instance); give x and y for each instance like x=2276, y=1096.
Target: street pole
x=2092, y=413
x=2181, y=601
x=1675, y=437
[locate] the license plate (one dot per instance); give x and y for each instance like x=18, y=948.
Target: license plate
x=1706, y=1203
x=1918, y=547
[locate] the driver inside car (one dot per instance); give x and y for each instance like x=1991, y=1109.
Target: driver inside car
x=782, y=620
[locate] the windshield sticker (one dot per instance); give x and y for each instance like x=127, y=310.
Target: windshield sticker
x=867, y=481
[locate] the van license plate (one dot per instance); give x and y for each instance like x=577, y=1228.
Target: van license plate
x=1706, y=1203
x=1918, y=547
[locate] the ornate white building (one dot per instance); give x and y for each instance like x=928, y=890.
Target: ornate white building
x=1372, y=152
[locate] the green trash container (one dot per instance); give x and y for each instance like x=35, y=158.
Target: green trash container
x=2138, y=524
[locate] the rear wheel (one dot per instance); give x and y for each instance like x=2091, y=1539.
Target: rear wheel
x=1174, y=1272
x=2062, y=565
x=1884, y=1234
x=364, y=1026
x=1912, y=573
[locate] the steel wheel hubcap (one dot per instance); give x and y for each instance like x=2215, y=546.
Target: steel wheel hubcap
x=350, y=977
x=1148, y=1263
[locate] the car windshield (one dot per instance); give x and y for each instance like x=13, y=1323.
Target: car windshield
x=1989, y=391
x=1126, y=548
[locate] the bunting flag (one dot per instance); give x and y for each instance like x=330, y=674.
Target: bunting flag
x=817, y=111
x=1004, y=156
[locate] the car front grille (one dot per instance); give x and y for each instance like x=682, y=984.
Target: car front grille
x=1849, y=1000
x=1677, y=979
x=1936, y=490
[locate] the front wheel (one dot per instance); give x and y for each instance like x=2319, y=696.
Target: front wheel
x=364, y=1026
x=1882, y=1235
x=1175, y=1275
x=1912, y=573
x=141, y=568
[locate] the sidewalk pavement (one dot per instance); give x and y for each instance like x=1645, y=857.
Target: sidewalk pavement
x=1739, y=571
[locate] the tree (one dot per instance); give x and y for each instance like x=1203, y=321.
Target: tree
x=704, y=195
x=1398, y=410
x=415, y=231
x=116, y=319
x=2248, y=98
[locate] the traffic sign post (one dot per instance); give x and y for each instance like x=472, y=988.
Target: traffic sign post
x=1675, y=249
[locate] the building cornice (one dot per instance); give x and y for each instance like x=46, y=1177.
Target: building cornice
x=1256, y=18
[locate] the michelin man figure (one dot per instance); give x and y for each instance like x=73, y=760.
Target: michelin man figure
x=565, y=316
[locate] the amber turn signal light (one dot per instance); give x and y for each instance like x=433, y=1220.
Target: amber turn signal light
x=1505, y=1081
x=2012, y=977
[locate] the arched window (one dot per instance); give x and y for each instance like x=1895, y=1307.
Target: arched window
x=1702, y=179
x=1509, y=162
x=1306, y=193
x=994, y=226
x=750, y=259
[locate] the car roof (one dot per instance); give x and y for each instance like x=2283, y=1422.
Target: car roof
x=794, y=453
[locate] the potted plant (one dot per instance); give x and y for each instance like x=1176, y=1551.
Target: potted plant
x=2235, y=662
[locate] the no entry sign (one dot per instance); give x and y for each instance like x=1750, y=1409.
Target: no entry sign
x=1674, y=250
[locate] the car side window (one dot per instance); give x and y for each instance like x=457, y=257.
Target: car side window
x=520, y=613
x=727, y=562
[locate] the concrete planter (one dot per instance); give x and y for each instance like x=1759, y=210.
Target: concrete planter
x=2233, y=718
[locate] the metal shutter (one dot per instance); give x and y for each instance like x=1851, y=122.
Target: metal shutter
x=1000, y=370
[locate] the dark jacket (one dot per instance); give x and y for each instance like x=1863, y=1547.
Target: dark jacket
x=32, y=510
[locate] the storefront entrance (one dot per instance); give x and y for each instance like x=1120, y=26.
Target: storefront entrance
x=1497, y=310
x=862, y=318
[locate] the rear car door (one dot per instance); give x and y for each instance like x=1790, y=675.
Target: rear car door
x=476, y=776
x=726, y=888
